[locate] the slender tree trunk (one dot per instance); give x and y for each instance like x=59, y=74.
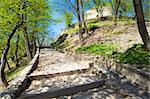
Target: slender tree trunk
x=16, y=52
x=83, y=19
x=79, y=23
x=25, y=32
x=3, y=82
x=38, y=41
x=8, y=65
x=27, y=43
x=141, y=23
x=117, y=4
x=33, y=43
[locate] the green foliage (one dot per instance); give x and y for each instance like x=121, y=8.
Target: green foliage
x=98, y=4
x=95, y=20
x=146, y=11
x=38, y=18
x=104, y=49
x=125, y=6
x=74, y=30
x=135, y=55
x=68, y=16
x=91, y=27
x=10, y=75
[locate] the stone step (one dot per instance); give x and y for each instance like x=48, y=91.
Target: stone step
x=44, y=75
x=61, y=67
x=63, y=91
x=62, y=85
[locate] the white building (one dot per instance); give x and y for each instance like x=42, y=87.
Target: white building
x=107, y=11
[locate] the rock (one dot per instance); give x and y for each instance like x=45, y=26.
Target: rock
x=91, y=65
x=99, y=74
x=103, y=76
x=124, y=92
x=110, y=90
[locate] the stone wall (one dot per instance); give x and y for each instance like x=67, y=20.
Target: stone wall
x=136, y=76
x=20, y=83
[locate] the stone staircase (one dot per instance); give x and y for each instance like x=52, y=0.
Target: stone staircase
x=59, y=76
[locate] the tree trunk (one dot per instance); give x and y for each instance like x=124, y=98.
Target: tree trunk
x=25, y=32
x=141, y=23
x=27, y=43
x=16, y=52
x=3, y=82
x=117, y=4
x=33, y=44
x=79, y=23
x=8, y=65
x=83, y=19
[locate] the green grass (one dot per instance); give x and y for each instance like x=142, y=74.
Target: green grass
x=13, y=73
x=94, y=20
x=134, y=55
x=95, y=23
x=92, y=26
x=104, y=49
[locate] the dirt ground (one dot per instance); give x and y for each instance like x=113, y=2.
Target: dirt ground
x=125, y=36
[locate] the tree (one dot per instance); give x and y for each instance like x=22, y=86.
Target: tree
x=120, y=7
x=3, y=81
x=26, y=18
x=16, y=52
x=68, y=16
x=9, y=24
x=24, y=29
x=141, y=23
x=117, y=4
x=83, y=18
x=77, y=12
x=146, y=11
x=99, y=6
x=79, y=23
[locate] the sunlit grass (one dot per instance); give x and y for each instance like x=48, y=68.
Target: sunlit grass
x=14, y=73
x=104, y=49
x=136, y=55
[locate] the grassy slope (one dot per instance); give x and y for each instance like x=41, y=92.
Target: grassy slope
x=107, y=45
x=14, y=72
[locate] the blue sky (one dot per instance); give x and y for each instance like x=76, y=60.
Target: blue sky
x=58, y=27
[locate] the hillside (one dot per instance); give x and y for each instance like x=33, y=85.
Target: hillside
x=122, y=41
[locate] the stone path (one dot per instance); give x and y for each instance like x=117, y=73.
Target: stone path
x=53, y=62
